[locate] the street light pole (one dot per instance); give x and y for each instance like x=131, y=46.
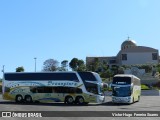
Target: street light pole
x=35, y=63
x=3, y=69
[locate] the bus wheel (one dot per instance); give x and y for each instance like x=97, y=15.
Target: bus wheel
x=19, y=99
x=80, y=100
x=69, y=100
x=28, y=99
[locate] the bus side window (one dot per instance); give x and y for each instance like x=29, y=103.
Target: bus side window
x=33, y=89
x=78, y=90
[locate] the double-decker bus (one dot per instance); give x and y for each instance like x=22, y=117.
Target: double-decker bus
x=126, y=88
x=68, y=87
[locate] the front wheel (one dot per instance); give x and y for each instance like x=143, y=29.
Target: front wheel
x=19, y=99
x=69, y=100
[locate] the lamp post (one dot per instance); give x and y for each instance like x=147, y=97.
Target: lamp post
x=35, y=63
x=3, y=69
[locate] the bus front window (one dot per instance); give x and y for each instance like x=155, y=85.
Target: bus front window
x=121, y=91
x=93, y=90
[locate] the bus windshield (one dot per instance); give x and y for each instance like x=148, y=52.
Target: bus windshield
x=122, y=91
x=122, y=80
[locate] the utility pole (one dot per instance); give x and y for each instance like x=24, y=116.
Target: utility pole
x=35, y=63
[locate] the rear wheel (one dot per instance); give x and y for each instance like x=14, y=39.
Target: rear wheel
x=80, y=100
x=28, y=99
x=19, y=99
x=69, y=100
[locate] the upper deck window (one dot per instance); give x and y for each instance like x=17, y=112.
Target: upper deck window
x=41, y=76
x=122, y=80
x=87, y=76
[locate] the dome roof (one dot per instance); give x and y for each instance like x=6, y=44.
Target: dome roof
x=128, y=43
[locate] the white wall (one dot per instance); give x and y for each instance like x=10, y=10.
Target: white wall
x=139, y=58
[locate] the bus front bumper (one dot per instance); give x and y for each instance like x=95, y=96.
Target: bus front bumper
x=121, y=99
x=100, y=99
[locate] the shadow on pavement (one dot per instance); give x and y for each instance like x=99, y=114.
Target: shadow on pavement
x=62, y=104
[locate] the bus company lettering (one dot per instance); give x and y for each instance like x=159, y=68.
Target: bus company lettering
x=53, y=83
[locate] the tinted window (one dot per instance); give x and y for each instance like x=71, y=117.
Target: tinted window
x=91, y=87
x=87, y=76
x=121, y=91
x=41, y=76
x=122, y=80
x=55, y=90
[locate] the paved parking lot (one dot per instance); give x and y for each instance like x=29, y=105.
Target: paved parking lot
x=147, y=103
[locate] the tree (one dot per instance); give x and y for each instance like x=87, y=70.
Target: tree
x=94, y=65
x=121, y=70
x=74, y=64
x=81, y=65
x=106, y=74
x=20, y=69
x=64, y=65
x=77, y=65
x=50, y=65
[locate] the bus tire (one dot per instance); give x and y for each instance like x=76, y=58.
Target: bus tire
x=80, y=100
x=19, y=99
x=28, y=99
x=69, y=100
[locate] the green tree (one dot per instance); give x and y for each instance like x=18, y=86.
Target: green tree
x=81, y=65
x=20, y=69
x=148, y=68
x=74, y=64
x=158, y=68
x=106, y=74
x=94, y=65
x=77, y=65
x=121, y=70
x=64, y=65
x=114, y=70
x=50, y=65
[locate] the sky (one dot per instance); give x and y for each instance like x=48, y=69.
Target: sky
x=64, y=29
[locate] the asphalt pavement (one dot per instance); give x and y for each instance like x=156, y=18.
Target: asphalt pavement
x=150, y=102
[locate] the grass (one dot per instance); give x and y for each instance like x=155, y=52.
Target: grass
x=144, y=87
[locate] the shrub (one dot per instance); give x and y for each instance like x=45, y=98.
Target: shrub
x=157, y=85
x=144, y=87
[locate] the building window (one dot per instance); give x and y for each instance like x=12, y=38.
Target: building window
x=112, y=61
x=154, y=56
x=124, y=56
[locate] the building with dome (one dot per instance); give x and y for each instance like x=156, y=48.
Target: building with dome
x=130, y=54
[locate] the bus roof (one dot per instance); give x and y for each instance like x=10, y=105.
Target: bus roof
x=126, y=75
x=47, y=72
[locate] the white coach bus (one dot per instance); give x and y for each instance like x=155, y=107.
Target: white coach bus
x=126, y=88
x=68, y=87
